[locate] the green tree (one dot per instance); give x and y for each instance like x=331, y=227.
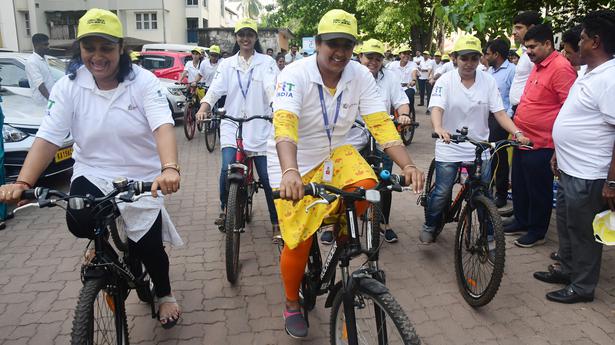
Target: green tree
x=251, y=8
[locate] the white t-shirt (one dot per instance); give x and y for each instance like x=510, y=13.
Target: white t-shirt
x=522, y=73
x=208, y=71
x=113, y=138
x=289, y=58
x=449, y=66
x=435, y=68
x=260, y=72
x=584, y=130
x=193, y=71
x=403, y=73
x=38, y=72
x=424, y=67
x=297, y=92
x=392, y=94
x=418, y=59
x=464, y=107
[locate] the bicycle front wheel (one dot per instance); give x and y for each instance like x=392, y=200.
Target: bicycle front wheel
x=211, y=133
x=189, y=121
x=407, y=134
x=370, y=226
x=379, y=319
x=479, y=256
x=233, y=225
x=100, y=317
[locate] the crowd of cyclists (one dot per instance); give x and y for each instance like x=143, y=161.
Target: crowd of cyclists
x=314, y=102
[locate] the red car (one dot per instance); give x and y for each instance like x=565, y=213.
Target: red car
x=165, y=64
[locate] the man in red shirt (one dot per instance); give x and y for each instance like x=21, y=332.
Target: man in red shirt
x=544, y=94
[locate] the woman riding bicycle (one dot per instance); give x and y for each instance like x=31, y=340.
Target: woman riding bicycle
x=317, y=101
x=89, y=104
x=191, y=70
x=248, y=81
x=388, y=84
x=463, y=97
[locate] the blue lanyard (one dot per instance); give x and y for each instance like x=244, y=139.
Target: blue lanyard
x=245, y=92
x=325, y=115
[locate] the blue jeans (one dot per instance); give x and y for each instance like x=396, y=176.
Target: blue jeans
x=446, y=172
x=260, y=163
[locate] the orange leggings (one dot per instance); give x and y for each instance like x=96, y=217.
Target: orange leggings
x=293, y=261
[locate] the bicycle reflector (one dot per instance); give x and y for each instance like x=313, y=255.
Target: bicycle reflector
x=604, y=228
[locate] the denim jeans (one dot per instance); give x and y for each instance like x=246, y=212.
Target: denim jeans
x=446, y=172
x=260, y=163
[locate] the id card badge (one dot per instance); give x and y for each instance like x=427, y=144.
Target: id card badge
x=327, y=171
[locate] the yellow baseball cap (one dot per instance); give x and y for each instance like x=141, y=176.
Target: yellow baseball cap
x=134, y=56
x=403, y=48
x=246, y=23
x=197, y=49
x=214, y=49
x=372, y=46
x=467, y=44
x=338, y=24
x=426, y=52
x=437, y=53
x=446, y=57
x=101, y=23
x=357, y=49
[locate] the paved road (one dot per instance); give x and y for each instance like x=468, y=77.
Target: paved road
x=39, y=279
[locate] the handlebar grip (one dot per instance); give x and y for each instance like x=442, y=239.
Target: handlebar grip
x=28, y=194
x=307, y=190
x=143, y=187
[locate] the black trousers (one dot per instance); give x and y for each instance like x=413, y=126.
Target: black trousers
x=532, y=182
x=428, y=87
x=410, y=93
x=422, y=89
x=149, y=249
x=578, y=201
x=500, y=160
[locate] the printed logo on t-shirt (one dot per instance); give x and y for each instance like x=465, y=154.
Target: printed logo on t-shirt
x=437, y=91
x=50, y=104
x=284, y=89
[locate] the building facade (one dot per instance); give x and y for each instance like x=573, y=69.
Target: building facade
x=159, y=21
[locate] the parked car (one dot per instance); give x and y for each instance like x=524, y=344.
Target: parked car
x=170, y=47
x=13, y=74
x=169, y=65
x=22, y=118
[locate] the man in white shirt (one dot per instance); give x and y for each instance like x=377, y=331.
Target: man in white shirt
x=521, y=23
x=461, y=98
x=37, y=69
x=208, y=68
x=584, y=137
x=418, y=57
x=570, y=40
x=293, y=55
x=406, y=71
x=425, y=67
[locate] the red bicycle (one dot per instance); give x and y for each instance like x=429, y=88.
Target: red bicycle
x=241, y=186
x=192, y=106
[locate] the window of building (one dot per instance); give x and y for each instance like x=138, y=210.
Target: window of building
x=26, y=17
x=222, y=8
x=205, y=23
x=192, y=2
x=204, y=3
x=146, y=21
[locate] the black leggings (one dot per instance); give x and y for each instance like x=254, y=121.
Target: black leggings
x=149, y=249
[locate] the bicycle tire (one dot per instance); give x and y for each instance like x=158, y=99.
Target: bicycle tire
x=407, y=134
x=430, y=184
x=382, y=301
x=210, y=135
x=189, y=121
x=474, y=298
x=234, y=215
x=118, y=234
x=89, y=303
x=370, y=226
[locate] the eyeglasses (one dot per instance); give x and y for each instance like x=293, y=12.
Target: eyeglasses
x=340, y=44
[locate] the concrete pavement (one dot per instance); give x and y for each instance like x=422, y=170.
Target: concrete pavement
x=39, y=278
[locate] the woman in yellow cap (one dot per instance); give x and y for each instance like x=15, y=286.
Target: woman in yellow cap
x=89, y=104
x=248, y=81
x=208, y=68
x=191, y=71
x=316, y=103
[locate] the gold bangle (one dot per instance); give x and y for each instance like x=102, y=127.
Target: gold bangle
x=409, y=165
x=290, y=169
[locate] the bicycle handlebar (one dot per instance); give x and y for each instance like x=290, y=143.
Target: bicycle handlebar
x=461, y=138
x=247, y=119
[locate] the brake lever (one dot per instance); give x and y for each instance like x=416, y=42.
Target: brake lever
x=317, y=202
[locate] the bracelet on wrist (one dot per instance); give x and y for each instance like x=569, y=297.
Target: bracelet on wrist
x=408, y=166
x=290, y=169
x=24, y=183
x=517, y=133
x=172, y=168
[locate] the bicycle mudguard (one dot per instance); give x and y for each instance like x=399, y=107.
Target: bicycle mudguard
x=237, y=172
x=371, y=285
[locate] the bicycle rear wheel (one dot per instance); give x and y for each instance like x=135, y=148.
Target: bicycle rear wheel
x=430, y=185
x=189, y=121
x=407, y=134
x=379, y=318
x=233, y=225
x=479, y=271
x=248, y=204
x=100, y=316
x=211, y=132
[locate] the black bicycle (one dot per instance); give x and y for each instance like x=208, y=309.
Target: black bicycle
x=241, y=186
x=108, y=276
x=362, y=308
x=479, y=240
x=211, y=127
